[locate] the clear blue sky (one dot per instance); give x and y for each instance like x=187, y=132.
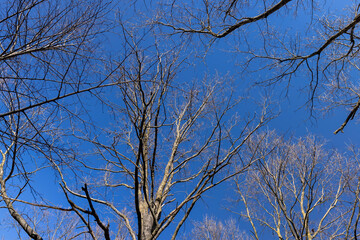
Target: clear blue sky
x=293, y=119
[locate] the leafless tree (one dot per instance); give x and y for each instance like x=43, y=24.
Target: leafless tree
x=49, y=224
x=216, y=18
x=292, y=40
x=171, y=141
x=299, y=190
x=210, y=229
x=44, y=58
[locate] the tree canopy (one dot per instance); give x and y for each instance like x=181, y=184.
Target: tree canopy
x=125, y=119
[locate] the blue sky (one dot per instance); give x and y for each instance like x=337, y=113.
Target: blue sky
x=221, y=59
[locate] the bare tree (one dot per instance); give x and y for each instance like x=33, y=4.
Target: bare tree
x=217, y=19
x=210, y=229
x=174, y=143
x=307, y=40
x=166, y=141
x=171, y=141
x=299, y=190
x=46, y=49
x=44, y=59
x=49, y=224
